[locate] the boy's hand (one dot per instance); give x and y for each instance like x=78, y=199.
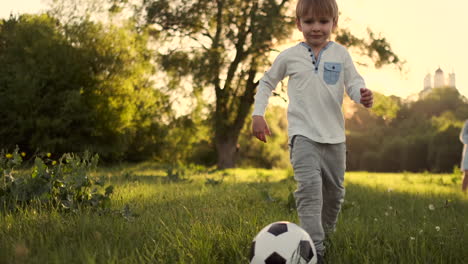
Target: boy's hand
x=260, y=128
x=367, y=99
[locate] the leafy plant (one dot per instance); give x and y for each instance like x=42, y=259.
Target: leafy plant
x=64, y=184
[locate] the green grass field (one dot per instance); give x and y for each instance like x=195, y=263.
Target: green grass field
x=212, y=218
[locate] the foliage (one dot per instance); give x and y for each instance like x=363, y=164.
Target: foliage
x=67, y=88
x=65, y=184
x=187, y=139
x=231, y=41
x=386, y=107
x=92, y=83
x=375, y=47
x=409, y=136
x=274, y=154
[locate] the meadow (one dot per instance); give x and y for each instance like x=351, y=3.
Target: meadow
x=200, y=216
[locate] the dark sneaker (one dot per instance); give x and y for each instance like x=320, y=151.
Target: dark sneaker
x=320, y=259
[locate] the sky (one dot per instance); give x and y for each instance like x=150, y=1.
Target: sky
x=427, y=34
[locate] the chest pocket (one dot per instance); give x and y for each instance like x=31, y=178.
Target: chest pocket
x=331, y=72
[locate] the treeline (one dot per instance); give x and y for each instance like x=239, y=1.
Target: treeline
x=68, y=88
x=92, y=86
x=87, y=85
x=422, y=135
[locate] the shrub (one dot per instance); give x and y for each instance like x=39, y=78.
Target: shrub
x=64, y=184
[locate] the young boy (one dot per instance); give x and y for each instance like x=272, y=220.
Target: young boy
x=464, y=161
x=319, y=70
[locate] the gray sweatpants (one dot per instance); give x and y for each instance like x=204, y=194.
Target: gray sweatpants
x=319, y=172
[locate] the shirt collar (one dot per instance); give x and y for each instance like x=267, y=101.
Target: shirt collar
x=310, y=49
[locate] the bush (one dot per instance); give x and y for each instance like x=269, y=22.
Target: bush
x=64, y=184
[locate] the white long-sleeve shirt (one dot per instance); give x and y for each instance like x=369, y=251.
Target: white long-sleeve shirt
x=315, y=90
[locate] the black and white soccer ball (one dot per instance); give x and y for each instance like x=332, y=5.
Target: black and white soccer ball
x=283, y=243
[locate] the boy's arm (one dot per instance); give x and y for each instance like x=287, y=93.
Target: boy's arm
x=265, y=87
x=355, y=84
x=267, y=84
x=464, y=133
x=367, y=98
x=260, y=128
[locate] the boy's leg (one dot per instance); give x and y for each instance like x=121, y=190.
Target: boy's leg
x=465, y=181
x=305, y=159
x=333, y=169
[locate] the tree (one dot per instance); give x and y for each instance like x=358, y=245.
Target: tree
x=73, y=87
x=225, y=44
x=231, y=40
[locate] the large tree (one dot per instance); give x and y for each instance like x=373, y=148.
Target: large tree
x=74, y=87
x=223, y=45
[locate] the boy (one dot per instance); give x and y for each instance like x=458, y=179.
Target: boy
x=318, y=71
x=464, y=161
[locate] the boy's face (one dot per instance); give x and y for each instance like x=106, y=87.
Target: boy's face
x=316, y=30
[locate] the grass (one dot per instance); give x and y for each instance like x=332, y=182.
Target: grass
x=212, y=218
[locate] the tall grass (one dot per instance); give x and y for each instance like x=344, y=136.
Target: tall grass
x=211, y=217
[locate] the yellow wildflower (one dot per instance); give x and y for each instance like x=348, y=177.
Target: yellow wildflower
x=48, y=155
x=8, y=156
x=54, y=162
x=23, y=154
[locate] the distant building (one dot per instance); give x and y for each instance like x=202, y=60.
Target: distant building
x=428, y=81
x=451, y=82
x=439, y=78
x=439, y=81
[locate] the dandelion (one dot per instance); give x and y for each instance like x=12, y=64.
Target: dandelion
x=437, y=228
x=23, y=154
x=431, y=207
x=48, y=155
x=8, y=156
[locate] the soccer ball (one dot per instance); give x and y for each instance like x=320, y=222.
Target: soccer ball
x=283, y=243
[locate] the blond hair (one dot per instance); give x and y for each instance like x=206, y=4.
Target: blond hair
x=317, y=8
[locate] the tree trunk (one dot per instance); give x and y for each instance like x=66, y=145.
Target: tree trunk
x=227, y=133
x=227, y=152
